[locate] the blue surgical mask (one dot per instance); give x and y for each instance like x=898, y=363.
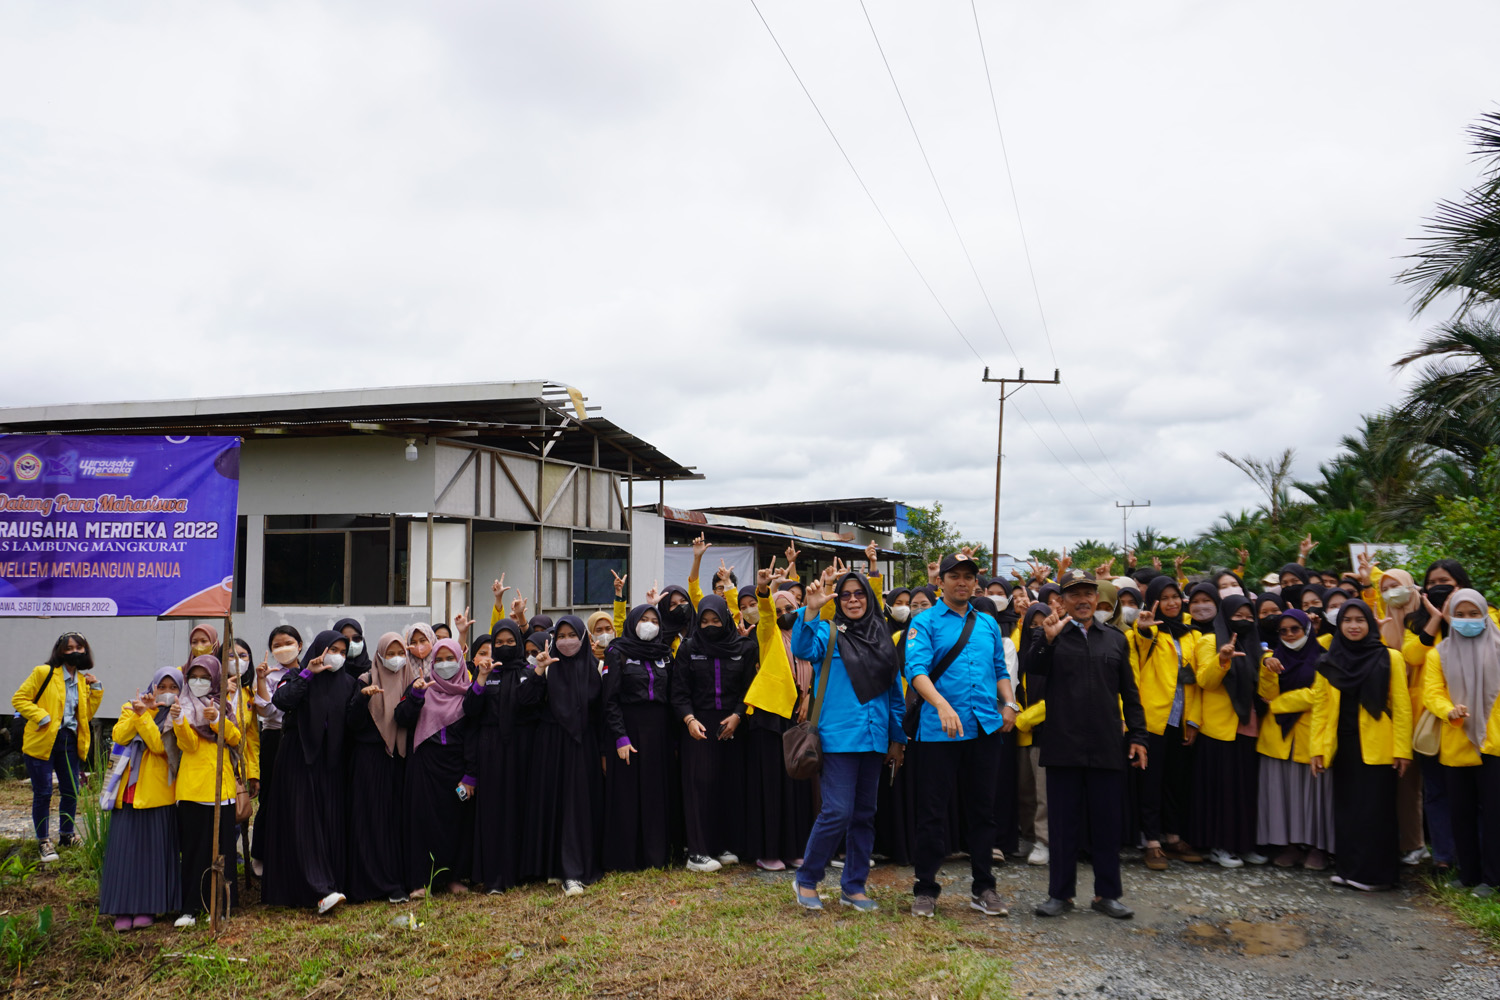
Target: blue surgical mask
x=1470, y=627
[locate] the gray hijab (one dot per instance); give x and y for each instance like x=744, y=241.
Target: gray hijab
x=1472, y=667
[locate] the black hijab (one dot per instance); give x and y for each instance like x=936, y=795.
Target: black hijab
x=729, y=643
x=632, y=646
x=1173, y=626
x=1296, y=569
x=474, y=647
x=572, y=681
x=540, y=623
x=1244, y=671
x=1270, y=625
x=1034, y=688
x=864, y=644
x=320, y=721
x=1187, y=603
x=675, y=623
x=355, y=665
x=1364, y=667
x=1299, y=667
x=510, y=670
x=890, y=601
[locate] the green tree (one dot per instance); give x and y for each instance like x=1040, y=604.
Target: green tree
x=1467, y=529
x=1273, y=476
x=1455, y=402
x=928, y=540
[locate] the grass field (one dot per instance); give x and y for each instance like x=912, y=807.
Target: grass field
x=1481, y=914
x=656, y=934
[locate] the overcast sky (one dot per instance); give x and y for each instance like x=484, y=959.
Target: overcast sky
x=637, y=199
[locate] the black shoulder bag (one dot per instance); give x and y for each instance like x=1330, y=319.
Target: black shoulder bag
x=801, y=747
x=914, y=701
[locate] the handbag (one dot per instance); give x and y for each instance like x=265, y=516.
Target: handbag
x=914, y=701
x=1426, y=735
x=801, y=747
x=243, y=807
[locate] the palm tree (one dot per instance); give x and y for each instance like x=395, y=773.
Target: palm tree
x=1384, y=469
x=1455, y=402
x=1271, y=475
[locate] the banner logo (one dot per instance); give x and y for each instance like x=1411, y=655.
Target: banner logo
x=28, y=467
x=106, y=468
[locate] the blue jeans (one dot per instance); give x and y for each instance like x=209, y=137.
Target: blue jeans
x=64, y=761
x=1435, y=809
x=850, y=782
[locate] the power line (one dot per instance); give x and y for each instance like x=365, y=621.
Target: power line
x=1015, y=202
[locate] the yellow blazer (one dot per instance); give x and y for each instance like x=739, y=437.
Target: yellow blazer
x=1381, y=740
x=1271, y=742
x=196, y=772
x=38, y=739
x=1219, y=721
x=152, y=789
x=1454, y=748
x=1154, y=659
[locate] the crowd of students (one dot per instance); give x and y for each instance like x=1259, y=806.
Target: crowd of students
x=1069, y=712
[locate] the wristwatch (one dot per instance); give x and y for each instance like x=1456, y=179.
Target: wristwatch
x=1013, y=707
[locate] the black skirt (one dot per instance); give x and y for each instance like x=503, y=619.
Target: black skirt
x=778, y=811
x=637, y=796
x=896, y=815
x=503, y=769
x=713, y=782
x=1226, y=788
x=377, y=861
x=142, y=872
x=565, y=798
x=305, y=834
x=270, y=745
x=439, y=829
x=195, y=842
x=1366, y=839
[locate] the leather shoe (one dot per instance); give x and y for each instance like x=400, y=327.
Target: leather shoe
x=1054, y=907
x=1112, y=908
x=1156, y=859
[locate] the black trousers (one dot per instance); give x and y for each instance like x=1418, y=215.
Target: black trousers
x=939, y=768
x=1474, y=804
x=1079, y=798
x=1165, y=787
x=195, y=839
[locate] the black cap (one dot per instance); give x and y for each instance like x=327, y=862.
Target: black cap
x=1076, y=578
x=958, y=561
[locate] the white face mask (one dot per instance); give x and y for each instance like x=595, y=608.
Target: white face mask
x=243, y=662
x=199, y=686
x=333, y=660
x=285, y=654
x=356, y=647
x=1332, y=614
x=393, y=663
x=1397, y=596
x=166, y=699
x=603, y=639
x=446, y=669
x=1203, y=612
x=1295, y=644
x=1100, y=617
x=1001, y=603
x=644, y=630
x=1128, y=615
x=901, y=612
x=1226, y=591
x=531, y=659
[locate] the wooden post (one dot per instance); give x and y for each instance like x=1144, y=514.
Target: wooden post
x=216, y=869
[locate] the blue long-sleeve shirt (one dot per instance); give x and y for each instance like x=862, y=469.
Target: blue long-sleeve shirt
x=845, y=725
x=971, y=682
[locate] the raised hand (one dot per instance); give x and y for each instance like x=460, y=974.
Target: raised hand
x=462, y=622
x=1147, y=618
x=654, y=594
x=138, y=706
x=1177, y=562
x=176, y=710
x=1021, y=601
x=483, y=666
x=828, y=576
x=932, y=573
x=1130, y=558
x=211, y=712
x=1156, y=563
x=723, y=572
x=743, y=629
x=1306, y=546
x=545, y=659
x=1365, y=566
x=317, y=665
x=518, y=608
x=1064, y=563
x=1227, y=652
x=263, y=670
x=791, y=554
x=1053, y=624
x=763, y=576
x=1244, y=556
x=147, y=702
x=1106, y=568
x=700, y=546
x=498, y=588
x=420, y=684
x=817, y=595
x=619, y=583
x=872, y=556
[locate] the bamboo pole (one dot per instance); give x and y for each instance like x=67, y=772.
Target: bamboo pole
x=216, y=869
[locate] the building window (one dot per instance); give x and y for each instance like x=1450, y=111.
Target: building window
x=240, y=525
x=336, y=559
x=594, y=566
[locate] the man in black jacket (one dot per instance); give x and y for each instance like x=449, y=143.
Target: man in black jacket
x=1089, y=679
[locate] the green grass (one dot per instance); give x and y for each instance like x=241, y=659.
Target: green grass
x=1482, y=914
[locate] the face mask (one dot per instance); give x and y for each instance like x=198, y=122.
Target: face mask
x=1332, y=614
x=243, y=662
x=1203, y=612
x=393, y=663
x=1242, y=627
x=1469, y=627
x=1001, y=603
x=531, y=660
x=569, y=646
x=901, y=612
x=333, y=660
x=508, y=655
x=1397, y=596
x=603, y=639
x=647, y=630
x=786, y=620
x=1226, y=591
x=75, y=659
x=714, y=633
x=751, y=616
x=1129, y=615
x=166, y=699
x=285, y=654
x=199, y=687
x=679, y=615
x=447, y=669
x=356, y=646
x=201, y=648
x=1100, y=617
x=1295, y=644
x=1439, y=595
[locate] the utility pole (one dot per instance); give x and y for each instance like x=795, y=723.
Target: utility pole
x=1125, y=509
x=1020, y=382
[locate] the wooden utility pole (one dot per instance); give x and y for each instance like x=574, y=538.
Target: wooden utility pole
x=1125, y=509
x=1020, y=382
x=216, y=868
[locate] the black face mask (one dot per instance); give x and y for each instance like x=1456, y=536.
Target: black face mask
x=679, y=616
x=75, y=659
x=1242, y=628
x=714, y=633
x=786, y=620
x=1270, y=629
x=1439, y=594
x=508, y=655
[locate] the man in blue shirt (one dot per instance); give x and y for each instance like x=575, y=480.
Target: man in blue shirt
x=964, y=712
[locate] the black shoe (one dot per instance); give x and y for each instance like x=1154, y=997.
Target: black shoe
x=1054, y=907
x=1113, y=908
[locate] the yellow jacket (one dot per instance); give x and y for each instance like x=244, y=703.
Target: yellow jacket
x=249, y=724
x=1271, y=742
x=1155, y=661
x=38, y=739
x=196, y=773
x=774, y=687
x=1454, y=748
x=1031, y=716
x=1381, y=740
x=152, y=789
x=1218, y=720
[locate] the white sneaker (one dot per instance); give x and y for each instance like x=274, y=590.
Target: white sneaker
x=837, y=863
x=729, y=858
x=554, y=881
x=397, y=899
x=48, y=852
x=186, y=920
x=1039, y=855
x=1414, y=858
x=699, y=863
x=329, y=901
x=1255, y=858
x=1224, y=859
x=572, y=888
x=257, y=867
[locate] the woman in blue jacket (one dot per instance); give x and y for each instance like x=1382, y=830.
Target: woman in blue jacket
x=859, y=726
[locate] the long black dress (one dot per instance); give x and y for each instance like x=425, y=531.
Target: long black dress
x=779, y=812
x=438, y=828
x=1365, y=836
x=561, y=828
x=637, y=795
x=504, y=733
x=305, y=839
x=377, y=779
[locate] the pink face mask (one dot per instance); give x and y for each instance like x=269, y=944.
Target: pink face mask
x=569, y=646
x=1226, y=591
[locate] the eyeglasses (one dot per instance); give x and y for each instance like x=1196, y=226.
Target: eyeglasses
x=852, y=595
